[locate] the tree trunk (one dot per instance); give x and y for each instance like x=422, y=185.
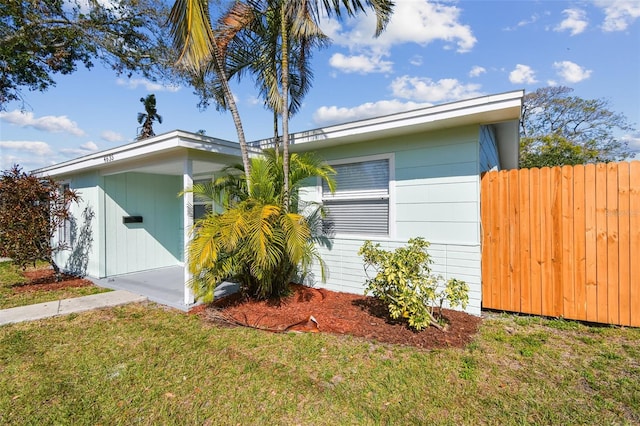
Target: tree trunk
x=231, y=104
x=285, y=103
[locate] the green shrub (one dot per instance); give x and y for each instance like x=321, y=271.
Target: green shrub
x=404, y=282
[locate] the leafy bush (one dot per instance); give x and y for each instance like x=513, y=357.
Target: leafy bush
x=32, y=209
x=404, y=282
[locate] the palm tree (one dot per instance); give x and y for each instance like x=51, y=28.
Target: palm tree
x=302, y=19
x=148, y=117
x=201, y=47
x=263, y=236
x=257, y=241
x=295, y=25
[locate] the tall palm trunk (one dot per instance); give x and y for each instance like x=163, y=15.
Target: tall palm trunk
x=285, y=102
x=233, y=108
x=194, y=36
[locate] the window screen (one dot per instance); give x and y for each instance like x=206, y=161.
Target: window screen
x=360, y=204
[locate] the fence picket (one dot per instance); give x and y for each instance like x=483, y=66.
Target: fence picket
x=536, y=248
x=591, y=251
x=567, y=284
x=579, y=243
x=601, y=242
x=623, y=245
x=613, y=290
x=634, y=241
x=524, y=251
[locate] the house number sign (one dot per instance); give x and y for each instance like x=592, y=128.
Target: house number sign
x=108, y=158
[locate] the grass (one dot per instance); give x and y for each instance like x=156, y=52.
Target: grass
x=143, y=364
x=10, y=275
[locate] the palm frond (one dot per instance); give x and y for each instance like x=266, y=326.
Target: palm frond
x=192, y=33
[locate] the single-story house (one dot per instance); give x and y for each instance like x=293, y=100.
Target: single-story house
x=399, y=176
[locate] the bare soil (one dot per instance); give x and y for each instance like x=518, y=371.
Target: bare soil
x=319, y=310
x=45, y=280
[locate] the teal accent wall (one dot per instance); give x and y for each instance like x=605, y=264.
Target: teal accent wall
x=154, y=243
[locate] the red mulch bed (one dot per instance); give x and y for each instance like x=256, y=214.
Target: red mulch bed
x=338, y=313
x=45, y=279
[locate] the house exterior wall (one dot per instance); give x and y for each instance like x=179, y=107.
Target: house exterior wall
x=434, y=193
x=83, y=255
x=154, y=243
x=489, y=158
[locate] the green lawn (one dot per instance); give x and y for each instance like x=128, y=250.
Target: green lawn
x=10, y=275
x=143, y=364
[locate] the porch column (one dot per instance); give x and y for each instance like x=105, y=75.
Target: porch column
x=187, y=206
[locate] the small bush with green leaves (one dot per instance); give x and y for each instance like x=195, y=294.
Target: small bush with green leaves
x=405, y=282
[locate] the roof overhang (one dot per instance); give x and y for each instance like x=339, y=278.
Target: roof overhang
x=162, y=154
x=502, y=111
x=166, y=153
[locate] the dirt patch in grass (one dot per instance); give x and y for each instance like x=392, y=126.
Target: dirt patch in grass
x=321, y=310
x=45, y=280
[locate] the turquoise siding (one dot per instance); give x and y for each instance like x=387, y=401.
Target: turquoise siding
x=489, y=158
x=154, y=243
x=84, y=255
x=435, y=196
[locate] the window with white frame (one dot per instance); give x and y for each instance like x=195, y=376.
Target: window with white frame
x=360, y=204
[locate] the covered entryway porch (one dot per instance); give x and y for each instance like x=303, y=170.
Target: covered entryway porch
x=162, y=285
x=131, y=227
x=147, y=224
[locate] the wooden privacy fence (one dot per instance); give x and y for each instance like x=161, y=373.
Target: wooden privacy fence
x=563, y=242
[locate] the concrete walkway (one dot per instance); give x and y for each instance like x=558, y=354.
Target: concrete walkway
x=68, y=306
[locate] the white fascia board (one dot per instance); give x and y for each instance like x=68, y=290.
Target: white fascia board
x=487, y=109
x=140, y=149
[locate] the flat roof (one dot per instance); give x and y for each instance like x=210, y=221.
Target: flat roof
x=157, y=153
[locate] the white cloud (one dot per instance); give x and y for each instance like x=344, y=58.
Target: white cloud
x=634, y=142
x=619, y=14
x=89, y=146
x=523, y=23
x=477, y=71
x=47, y=123
x=522, y=74
x=40, y=149
x=84, y=149
x=424, y=89
x=575, y=22
x=254, y=100
x=571, y=72
x=111, y=136
x=360, y=64
x=333, y=114
x=150, y=86
x=418, y=22
x=416, y=60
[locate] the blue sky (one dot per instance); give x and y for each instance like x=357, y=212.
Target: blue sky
x=431, y=53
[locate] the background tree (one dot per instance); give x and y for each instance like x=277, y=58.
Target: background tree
x=41, y=38
x=32, y=209
x=148, y=117
x=558, y=129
